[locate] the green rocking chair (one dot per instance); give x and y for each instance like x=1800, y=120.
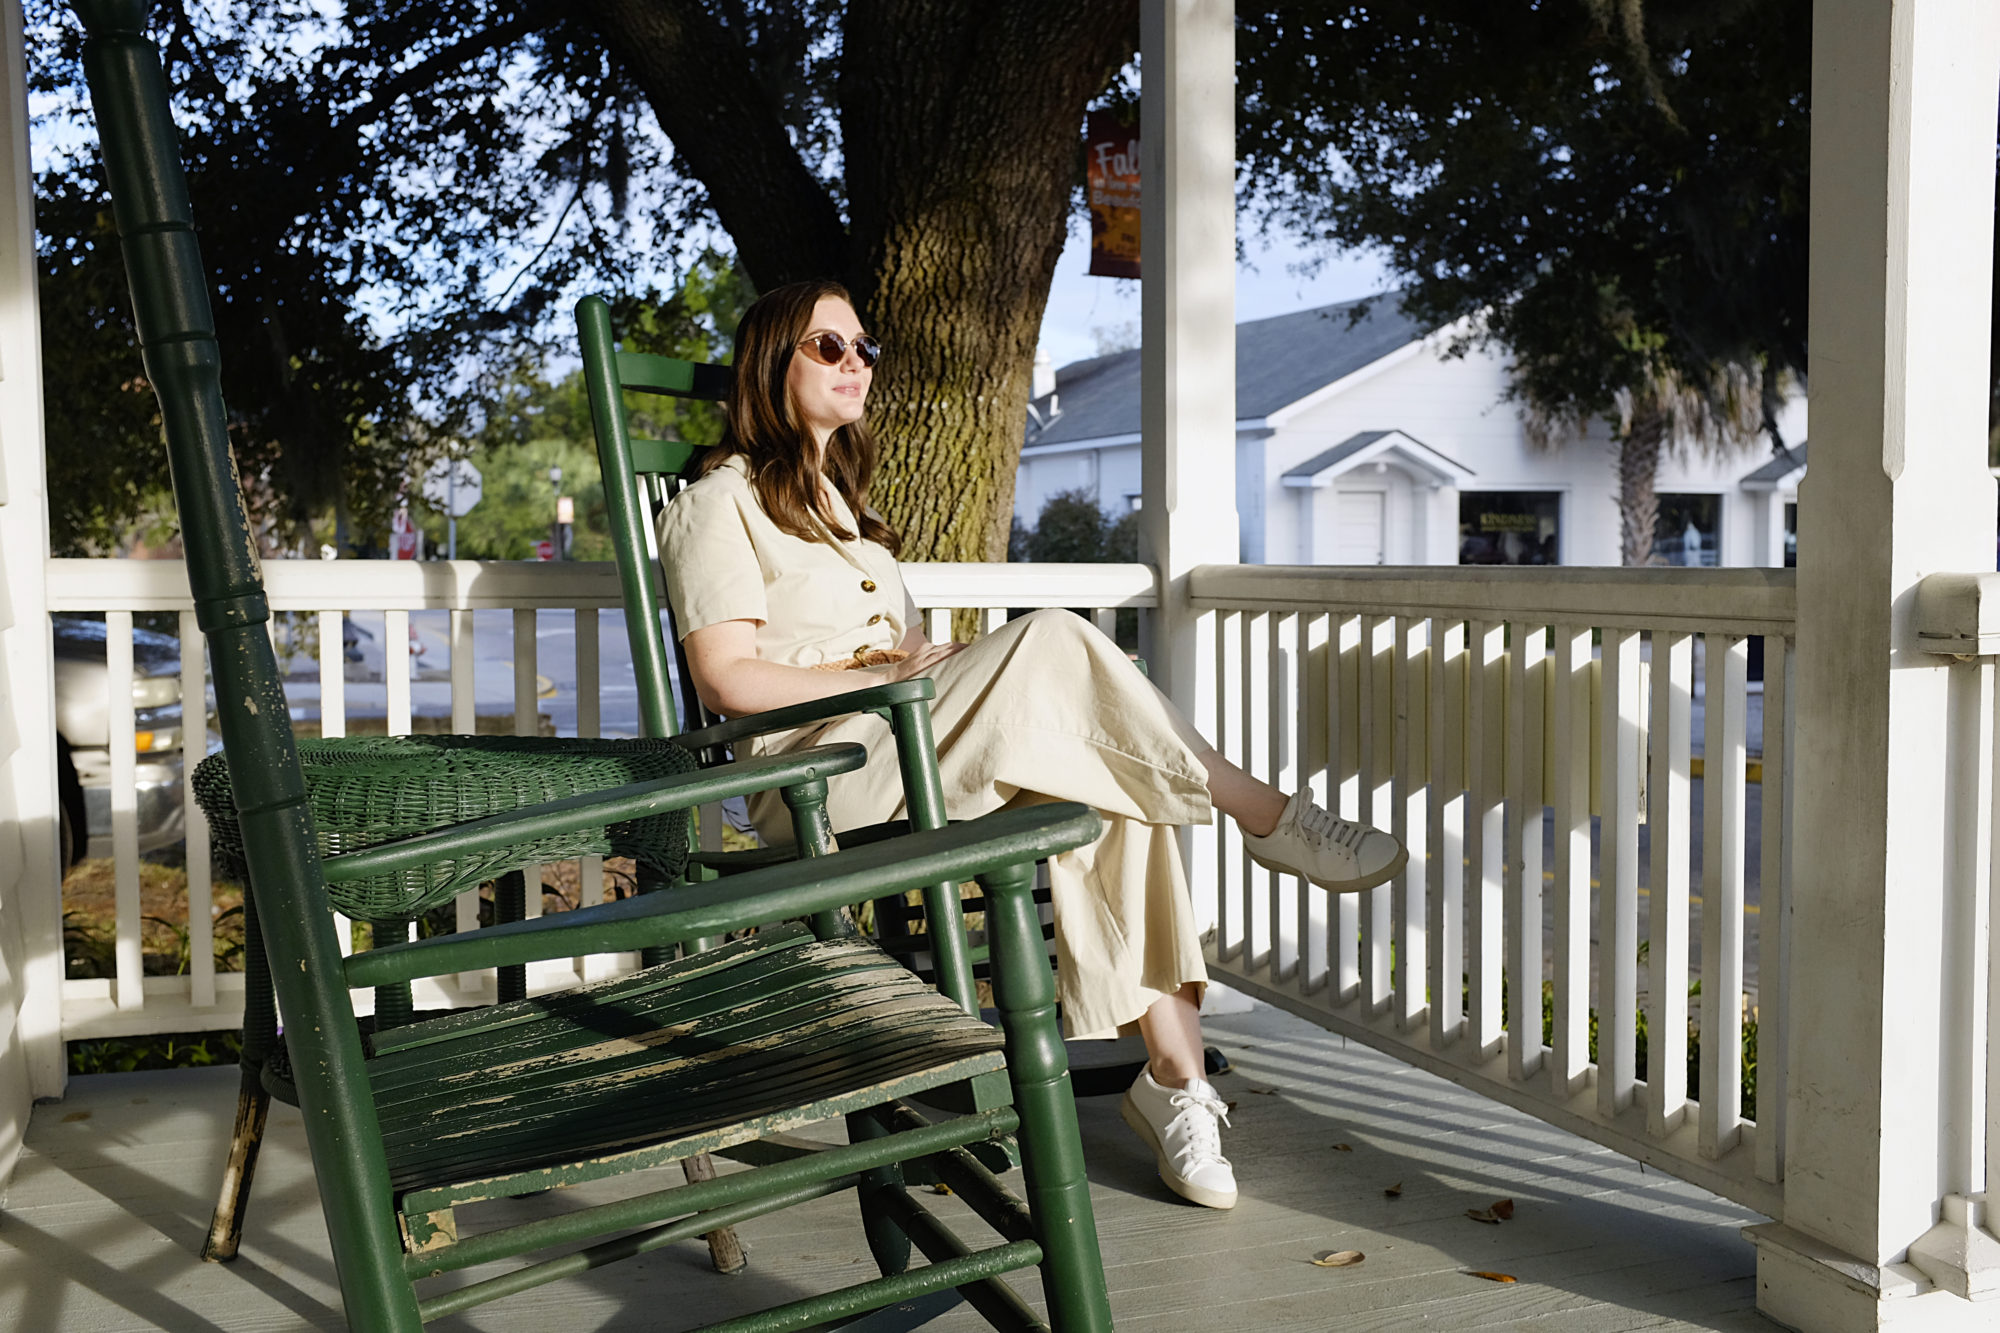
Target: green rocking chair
x=410, y=1129
x=641, y=475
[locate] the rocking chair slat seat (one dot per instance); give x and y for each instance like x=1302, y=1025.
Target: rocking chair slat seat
x=503, y=1105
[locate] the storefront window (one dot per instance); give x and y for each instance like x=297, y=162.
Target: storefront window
x=1689, y=530
x=1509, y=528
x=1792, y=535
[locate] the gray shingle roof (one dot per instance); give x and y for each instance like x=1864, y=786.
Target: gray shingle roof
x=1778, y=468
x=1278, y=361
x=1348, y=447
x=1414, y=450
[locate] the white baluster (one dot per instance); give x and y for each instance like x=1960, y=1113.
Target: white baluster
x=465, y=721
x=1281, y=714
x=1377, y=735
x=1445, y=883
x=1726, y=660
x=1667, y=902
x=1485, y=825
x=1618, y=873
x=1569, y=670
x=1233, y=926
x=1527, y=683
x=1408, y=910
x=1343, y=776
x=128, y=954
x=1255, y=684
x=1311, y=719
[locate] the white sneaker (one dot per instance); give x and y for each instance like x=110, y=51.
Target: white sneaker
x=1333, y=853
x=1180, y=1124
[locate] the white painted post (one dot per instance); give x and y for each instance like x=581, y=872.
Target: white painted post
x=1903, y=101
x=30, y=882
x=1188, y=345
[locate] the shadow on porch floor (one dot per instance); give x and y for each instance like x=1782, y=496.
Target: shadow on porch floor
x=108, y=1207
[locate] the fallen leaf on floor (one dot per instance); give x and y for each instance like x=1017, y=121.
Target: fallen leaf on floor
x=1339, y=1259
x=1229, y=1106
x=1343, y=1147
x=939, y=1187
x=1486, y=1215
x=1491, y=1277
x=1263, y=1092
x=75, y=1116
x=1502, y=1208
x=1395, y=1191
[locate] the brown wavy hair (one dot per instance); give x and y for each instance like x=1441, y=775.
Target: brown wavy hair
x=762, y=424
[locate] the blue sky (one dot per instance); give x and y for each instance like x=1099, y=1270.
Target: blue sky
x=1081, y=306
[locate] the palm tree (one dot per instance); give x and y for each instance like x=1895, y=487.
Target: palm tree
x=1661, y=412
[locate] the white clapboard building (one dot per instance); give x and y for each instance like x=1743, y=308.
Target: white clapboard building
x=1361, y=440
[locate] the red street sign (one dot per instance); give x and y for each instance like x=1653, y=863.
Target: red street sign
x=545, y=550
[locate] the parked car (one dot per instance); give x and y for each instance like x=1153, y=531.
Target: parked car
x=83, y=737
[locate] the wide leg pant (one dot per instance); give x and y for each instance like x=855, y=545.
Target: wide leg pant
x=1046, y=708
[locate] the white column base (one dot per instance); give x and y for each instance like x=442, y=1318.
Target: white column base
x=1959, y=1254
x=1808, y=1285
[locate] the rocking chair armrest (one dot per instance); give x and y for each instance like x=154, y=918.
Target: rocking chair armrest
x=756, y=897
x=874, y=699
x=610, y=805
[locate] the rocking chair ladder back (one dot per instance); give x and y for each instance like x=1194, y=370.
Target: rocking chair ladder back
x=722, y=1047
x=641, y=475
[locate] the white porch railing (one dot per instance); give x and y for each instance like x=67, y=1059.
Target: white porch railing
x=459, y=596
x=1485, y=716
x=1537, y=699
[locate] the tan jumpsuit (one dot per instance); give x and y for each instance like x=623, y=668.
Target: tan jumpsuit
x=1044, y=708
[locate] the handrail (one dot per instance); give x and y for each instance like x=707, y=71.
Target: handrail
x=403, y=585
x=1740, y=601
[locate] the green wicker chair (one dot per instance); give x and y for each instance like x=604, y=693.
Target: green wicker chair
x=372, y=789
x=412, y=1126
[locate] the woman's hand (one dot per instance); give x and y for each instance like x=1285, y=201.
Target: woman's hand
x=921, y=659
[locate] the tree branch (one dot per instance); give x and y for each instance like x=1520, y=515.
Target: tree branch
x=724, y=122
x=340, y=147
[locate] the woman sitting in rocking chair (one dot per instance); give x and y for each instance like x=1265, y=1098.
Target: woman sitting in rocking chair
x=786, y=589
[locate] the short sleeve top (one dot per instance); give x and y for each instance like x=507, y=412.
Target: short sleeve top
x=814, y=601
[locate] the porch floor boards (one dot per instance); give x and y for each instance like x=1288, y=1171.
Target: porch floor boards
x=106, y=1213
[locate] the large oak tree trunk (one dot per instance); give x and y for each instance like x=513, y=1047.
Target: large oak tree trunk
x=961, y=128
x=1638, y=475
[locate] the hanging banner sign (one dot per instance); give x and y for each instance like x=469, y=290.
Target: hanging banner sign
x=1112, y=173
